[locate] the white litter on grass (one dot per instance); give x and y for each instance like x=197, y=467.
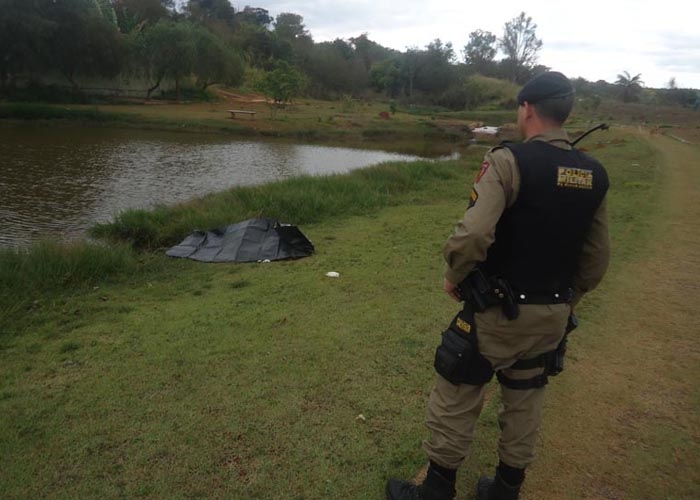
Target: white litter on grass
x=486, y=130
x=266, y=261
x=333, y=274
x=361, y=418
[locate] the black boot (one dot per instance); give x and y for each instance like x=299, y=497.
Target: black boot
x=495, y=488
x=435, y=487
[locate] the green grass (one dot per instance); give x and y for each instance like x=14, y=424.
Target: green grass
x=30, y=277
x=300, y=200
x=246, y=381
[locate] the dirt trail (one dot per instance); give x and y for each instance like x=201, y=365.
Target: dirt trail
x=623, y=422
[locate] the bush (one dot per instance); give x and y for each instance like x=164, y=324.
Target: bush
x=481, y=90
x=455, y=98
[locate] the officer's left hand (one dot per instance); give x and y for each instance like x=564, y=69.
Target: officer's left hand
x=451, y=289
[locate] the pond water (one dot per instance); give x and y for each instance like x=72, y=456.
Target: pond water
x=57, y=182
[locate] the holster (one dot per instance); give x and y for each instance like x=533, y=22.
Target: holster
x=552, y=361
x=481, y=292
x=555, y=361
x=457, y=358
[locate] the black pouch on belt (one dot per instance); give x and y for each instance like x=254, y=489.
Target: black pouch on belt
x=457, y=358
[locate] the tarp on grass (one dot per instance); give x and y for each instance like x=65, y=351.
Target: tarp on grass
x=252, y=240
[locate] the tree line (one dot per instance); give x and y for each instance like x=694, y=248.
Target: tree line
x=205, y=42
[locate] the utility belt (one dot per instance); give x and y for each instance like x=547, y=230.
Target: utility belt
x=458, y=360
x=482, y=292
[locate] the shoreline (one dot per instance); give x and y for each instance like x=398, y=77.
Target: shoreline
x=409, y=134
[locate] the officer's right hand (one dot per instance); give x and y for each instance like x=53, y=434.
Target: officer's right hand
x=451, y=290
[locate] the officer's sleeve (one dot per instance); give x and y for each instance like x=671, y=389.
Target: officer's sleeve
x=595, y=256
x=474, y=234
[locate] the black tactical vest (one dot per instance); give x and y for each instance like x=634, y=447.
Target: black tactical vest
x=540, y=237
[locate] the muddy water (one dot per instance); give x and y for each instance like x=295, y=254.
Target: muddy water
x=55, y=183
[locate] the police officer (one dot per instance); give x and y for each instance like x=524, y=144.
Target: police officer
x=533, y=240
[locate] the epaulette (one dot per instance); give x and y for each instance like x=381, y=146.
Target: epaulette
x=501, y=145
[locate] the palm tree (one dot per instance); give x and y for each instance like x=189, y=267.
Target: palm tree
x=631, y=85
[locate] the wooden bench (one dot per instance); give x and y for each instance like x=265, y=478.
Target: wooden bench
x=240, y=112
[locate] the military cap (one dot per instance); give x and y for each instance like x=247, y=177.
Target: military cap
x=545, y=86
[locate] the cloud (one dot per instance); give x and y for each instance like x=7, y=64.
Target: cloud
x=595, y=42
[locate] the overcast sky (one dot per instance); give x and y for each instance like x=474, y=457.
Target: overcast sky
x=594, y=39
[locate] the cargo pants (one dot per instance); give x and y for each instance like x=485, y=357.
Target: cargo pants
x=453, y=410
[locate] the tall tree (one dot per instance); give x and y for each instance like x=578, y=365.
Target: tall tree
x=82, y=42
x=211, y=11
x=23, y=31
x=370, y=52
x=166, y=50
x=631, y=85
x=386, y=76
x=480, y=51
x=294, y=40
x=434, y=71
x=213, y=61
x=290, y=26
x=520, y=45
x=255, y=16
x=409, y=67
x=136, y=14
x=334, y=68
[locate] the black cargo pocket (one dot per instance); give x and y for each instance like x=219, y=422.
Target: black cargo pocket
x=457, y=358
x=452, y=355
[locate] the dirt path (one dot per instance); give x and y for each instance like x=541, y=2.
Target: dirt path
x=623, y=422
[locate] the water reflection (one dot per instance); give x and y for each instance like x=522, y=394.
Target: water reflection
x=58, y=182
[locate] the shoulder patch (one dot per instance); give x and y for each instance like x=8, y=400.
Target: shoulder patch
x=482, y=171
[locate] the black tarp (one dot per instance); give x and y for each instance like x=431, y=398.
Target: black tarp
x=252, y=240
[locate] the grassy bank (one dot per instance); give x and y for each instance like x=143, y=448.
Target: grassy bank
x=266, y=380
x=301, y=200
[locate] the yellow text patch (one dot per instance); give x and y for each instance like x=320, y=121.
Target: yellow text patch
x=463, y=325
x=578, y=178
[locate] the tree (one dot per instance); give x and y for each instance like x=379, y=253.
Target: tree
x=386, y=76
x=293, y=39
x=630, y=86
x=370, y=52
x=136, y=14
x=166, y=50
x=214, y=62
x=520, y=45
x=107, y=11
x=211, y=11
x=290, y=26
x=480, y=51
x=409, y=68
x=255, y=16
x=281, y=84
x=23, y=32
x=434, y=71
x=334, y=68
x=81, y=41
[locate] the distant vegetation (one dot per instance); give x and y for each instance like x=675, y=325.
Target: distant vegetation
x=92, y=50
